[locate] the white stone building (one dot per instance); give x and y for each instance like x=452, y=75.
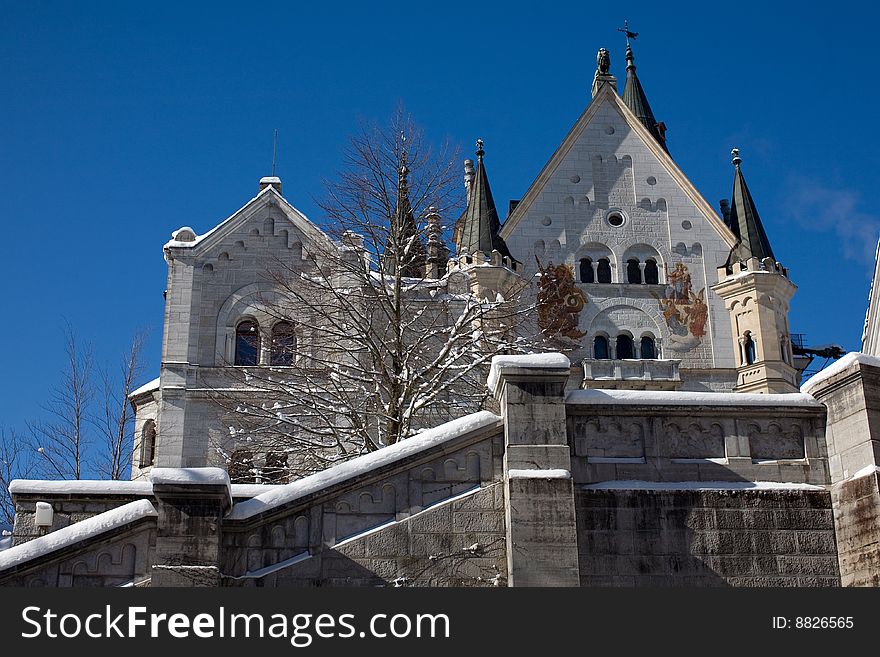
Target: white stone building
x=645, y=251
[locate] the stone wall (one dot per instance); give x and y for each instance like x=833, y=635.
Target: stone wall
x=722, y=441
x=120, y=557
x=753, y=538
x=857, y=520
x=455, y=543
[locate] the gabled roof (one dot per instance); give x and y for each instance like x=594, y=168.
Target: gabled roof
x=745, y=223
x=266, y=197
x=479, y=227
x=634, y=97
x=606, y=95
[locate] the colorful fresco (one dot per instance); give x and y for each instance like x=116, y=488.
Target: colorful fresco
x=685, y=313
x=560, y=302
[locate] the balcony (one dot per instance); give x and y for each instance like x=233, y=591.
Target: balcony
x=631, y=374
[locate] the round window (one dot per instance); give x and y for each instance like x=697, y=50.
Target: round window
x=615, y=219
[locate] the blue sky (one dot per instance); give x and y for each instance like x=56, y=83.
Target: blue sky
x=121, y=122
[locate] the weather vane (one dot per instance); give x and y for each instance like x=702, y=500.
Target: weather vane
x=625, y=30
x=274, y=151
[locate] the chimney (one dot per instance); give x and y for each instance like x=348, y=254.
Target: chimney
x=270, y=181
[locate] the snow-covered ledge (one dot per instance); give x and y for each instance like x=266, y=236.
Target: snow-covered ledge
x=532, y=364
x=176, y=477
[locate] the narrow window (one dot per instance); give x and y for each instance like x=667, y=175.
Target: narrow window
x=749, y=348
x=587, y=271
x=633, y=272
x=283, y=344
x=648, y=348
x=604, y=270
x=247, y=343
x=624, y=347
x=600, y=347
x=148, y=444
x=652, y=273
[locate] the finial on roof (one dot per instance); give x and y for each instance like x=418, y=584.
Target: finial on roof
x=480, y=151
x=737, y=160
x=625, y=29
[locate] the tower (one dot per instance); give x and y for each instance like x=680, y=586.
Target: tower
x=756, y=292
x=480, y=249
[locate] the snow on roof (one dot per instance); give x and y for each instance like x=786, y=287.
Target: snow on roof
x=147, y=387
x=679, y=398
x=270, y=179
x=552, y=360
x=839, y=366
x=5, y=542
x=698, y=485
x=76, y=533
x=80, y=487
x=364, y=464
x=556, y=473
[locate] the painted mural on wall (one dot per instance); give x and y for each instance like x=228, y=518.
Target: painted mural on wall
x=685, y=312
x=560, y=302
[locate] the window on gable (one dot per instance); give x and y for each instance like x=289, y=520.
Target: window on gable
x=283, y=344
x=603, y=271
x=586, y=270
x=633, y=271
x=247, y=343
x=624, y=347
x=652, y=273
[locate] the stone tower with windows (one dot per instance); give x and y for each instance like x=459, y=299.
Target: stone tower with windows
x=756, y=291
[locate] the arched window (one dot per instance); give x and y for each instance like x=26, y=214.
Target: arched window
x=283, y=344
x=624, y=347
x=587, y=271
x=148, y=444
x=603, y=271
x=749, y=349
x=247, y=343
x=652, y=273
x=600, y=347
x=648, y=347
x=275, y=470
x=241, y=467
x=633, y=272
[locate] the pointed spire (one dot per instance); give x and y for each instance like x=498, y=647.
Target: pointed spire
x=634, y=97
x=745, y=223
x=405, y=234
x=478, y=227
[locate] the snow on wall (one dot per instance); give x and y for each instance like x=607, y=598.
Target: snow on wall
x=76, y=533
x=363, y=464
x=539, y=361
x=698, y=485
x=680, y=398
x=80, y=487
x=557, y=473
x=839, y=366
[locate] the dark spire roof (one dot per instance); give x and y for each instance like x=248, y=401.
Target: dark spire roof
x=634, y=98
x=479, y=225
x=406, y=233
x=751, y=240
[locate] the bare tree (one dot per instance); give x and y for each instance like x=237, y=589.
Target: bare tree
x=87, y=425
x=15, y=463
x=62, y=440
x=115, y=421
x=373, y=338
